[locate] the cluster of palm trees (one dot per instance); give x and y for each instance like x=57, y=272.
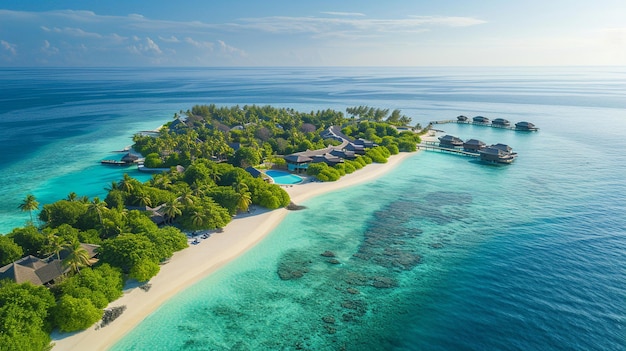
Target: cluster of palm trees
x=77, y=256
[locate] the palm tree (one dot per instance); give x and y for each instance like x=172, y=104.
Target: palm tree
x=186, y=197
x=98, y=207
x=29, y=204
x=197, y=219
x=77, y=256
x=72, y=196
x=127, y=183
x=113, y=186
x=171, y=210
x=143, y=199
x=244, y=201
x=54, y=245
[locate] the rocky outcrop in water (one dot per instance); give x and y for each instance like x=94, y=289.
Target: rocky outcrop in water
x=293, y=265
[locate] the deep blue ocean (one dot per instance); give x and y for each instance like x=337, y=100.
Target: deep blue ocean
x=442, y=253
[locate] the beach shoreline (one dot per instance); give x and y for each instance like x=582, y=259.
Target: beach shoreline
x=196, y=262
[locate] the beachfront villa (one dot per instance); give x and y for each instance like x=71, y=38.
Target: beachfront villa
x=525, y=126
x=473, y=145
x=500, y=122
x=480, y=119
x=37, y=271
x=300, y=161
x=331, y=155
x=450, y=141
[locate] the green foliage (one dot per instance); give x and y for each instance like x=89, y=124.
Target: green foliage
x=9, y=250
x=341, y=168
x=130, y=252
x=167, y=240
x=24, y=309
x=315, y=168
x=226, y=197
x=153, y=160
x=63, y=212
x=138, y=223
x=101, y=285
x=349, y=167
x=143, y=270
x=246, y=156
x=72, y=314
x=329, y=174
x=29, y=239
x=393, y=149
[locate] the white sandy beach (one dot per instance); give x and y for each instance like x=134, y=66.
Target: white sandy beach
x=198, y=261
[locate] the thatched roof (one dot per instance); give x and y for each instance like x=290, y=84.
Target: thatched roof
x=32, y=269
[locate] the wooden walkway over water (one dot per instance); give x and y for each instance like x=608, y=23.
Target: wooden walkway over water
x=434, y=146
x=446, y=121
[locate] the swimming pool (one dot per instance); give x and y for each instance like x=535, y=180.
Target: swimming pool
x=284, y=178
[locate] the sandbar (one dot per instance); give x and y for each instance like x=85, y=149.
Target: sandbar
x=196, y=262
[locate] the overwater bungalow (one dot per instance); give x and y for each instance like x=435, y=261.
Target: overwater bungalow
x=473, y=145
x=500, y=122
x=450, y=141
x=480, y=119
x=526, y=126
x=499, y=153
x=461, y=118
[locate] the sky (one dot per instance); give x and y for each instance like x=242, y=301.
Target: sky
x=130, y=33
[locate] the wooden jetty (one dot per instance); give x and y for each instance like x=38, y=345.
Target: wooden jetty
x=433, y=146
x=446, y=121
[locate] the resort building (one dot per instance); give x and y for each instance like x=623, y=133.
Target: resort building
x=480, y=119
x=300, y=161
x=331, y=155
x=450, y=141
x=37, y=271
x=461, y=118
x=500, y=122
x=499, y=153
x=473, y=145
x=526, y=126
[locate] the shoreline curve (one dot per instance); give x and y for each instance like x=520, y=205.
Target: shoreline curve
x=190, y=265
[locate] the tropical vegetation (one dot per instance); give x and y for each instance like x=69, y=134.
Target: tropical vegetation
x=140, y=225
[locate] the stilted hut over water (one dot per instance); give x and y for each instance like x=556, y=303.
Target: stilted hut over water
x=525, y=126
x=473, y=145
x=480, y=119
x=500, y=122
x=450, y=141
x=498, y=153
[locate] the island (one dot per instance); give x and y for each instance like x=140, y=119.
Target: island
x=161, y=236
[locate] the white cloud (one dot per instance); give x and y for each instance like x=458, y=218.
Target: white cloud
x=48, y=49
x=199, y=44
x=171, y=39
x=361, y=26
x=447, y=21
x=152, y=46
x=351, y=14
x=148, y=46
x=76, y=32
x=8, y=47
x=227, y=49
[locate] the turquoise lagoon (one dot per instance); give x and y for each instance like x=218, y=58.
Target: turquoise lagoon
x=442, y=253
